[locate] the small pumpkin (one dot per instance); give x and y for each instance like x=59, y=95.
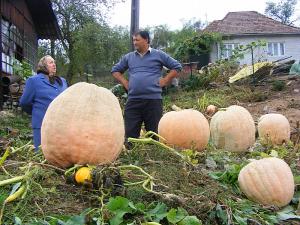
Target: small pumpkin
x=83, y=125
x=211, y=110
x=83, y=174
x=186, y=128
x=268, y=181
x=274, y=128
x=233, y=129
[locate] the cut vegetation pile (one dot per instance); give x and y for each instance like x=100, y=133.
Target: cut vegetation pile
x=150, y=184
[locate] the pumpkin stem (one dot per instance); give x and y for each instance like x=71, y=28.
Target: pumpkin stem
x=72, y=169
x=11, y=180
x=28, y=144
x=176, y=108
x=152, y=141
x=153, y=134
x=5, y=155
x=145, y=183
x=1, y=212
x=137, y=168
x=11, y=150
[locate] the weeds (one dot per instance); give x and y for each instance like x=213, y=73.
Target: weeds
x=278, y=85
x=179, y=186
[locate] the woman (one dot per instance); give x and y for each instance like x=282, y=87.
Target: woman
x=40, y=90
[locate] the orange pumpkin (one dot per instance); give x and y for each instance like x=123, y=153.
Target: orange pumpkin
x=184, y=129
x=233, y=129
x=275, y=128
x=268, y=181
x=83, y=125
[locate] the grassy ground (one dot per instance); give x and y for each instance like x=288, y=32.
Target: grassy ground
x=205, y=185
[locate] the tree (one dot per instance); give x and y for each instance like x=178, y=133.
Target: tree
x=193, y=24
x=196, y=45
x=282, y=11
x=189, y=30
x=72, y=16
x=162, y=37
x=98, y=47
x=168, y=40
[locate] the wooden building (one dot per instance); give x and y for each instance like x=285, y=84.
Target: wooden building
x=23, y=23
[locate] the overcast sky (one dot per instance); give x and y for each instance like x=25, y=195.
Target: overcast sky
x=174, y=12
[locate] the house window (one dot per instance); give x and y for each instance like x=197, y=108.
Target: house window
x=7, y=50
x=276, y=49
x=16, y=46
x=227, y=50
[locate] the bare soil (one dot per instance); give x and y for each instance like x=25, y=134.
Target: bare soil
x=286, y=102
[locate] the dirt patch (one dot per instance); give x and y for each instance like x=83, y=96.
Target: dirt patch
x=286, y=102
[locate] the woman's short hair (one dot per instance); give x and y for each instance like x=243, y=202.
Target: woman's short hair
x=42, y=68
x=42, y=65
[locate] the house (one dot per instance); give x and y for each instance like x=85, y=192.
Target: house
x=23, y=22
x=242, y=28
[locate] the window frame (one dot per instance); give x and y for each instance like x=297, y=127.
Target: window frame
x=16, y=45
x=276, y=49
x=226, y=51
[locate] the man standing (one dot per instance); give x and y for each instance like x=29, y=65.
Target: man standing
x=144, y=84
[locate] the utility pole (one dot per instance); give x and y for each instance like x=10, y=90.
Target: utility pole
x=134, y=24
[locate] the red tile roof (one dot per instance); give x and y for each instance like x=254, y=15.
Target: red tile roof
x=249, y=22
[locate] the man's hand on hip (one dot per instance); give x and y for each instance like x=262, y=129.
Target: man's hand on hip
x=168, y=78
x=163, y=82
x=119, y=76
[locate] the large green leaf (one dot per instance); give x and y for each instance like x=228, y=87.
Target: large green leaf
x=119, y=206
x=76, y=220
x=176, y=215
x=190, y=220
x=158, y=213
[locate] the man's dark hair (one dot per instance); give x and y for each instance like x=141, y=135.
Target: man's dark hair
x=144, y=34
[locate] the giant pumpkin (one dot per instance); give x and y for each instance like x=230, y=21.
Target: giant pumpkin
x=186, y=128
x=233, y=129
x=83, y=125
x=268, y=181
x=274, y=128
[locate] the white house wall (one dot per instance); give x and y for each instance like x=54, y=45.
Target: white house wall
x=291, y=45
x=214, y=54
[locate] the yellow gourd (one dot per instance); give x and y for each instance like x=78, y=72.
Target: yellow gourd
x=83, y=174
